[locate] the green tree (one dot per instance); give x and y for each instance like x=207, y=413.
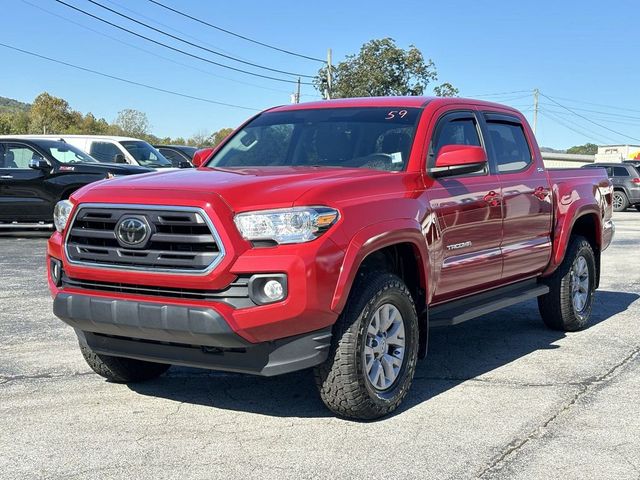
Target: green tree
x=49, y=114
x=199, y=139
x=219, y=136
x=132, y=123
x=382, y=68
x=586, y=149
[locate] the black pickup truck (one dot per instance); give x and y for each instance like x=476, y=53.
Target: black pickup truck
x=36, y=173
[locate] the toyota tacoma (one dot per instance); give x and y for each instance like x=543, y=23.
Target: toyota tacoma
x=330, y=235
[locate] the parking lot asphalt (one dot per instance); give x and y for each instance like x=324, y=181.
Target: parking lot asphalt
x=498, y=397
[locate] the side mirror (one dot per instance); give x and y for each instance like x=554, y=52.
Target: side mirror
x=119, y=158
x=39, y=164
x=185, y=164
x=200, y=156
x=459, y=160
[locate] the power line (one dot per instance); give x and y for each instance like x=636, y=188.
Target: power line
x=175, y=37
x=149, y=52
x=588, y=120
x=589, y=135
x=500, y=94
x=597, y=104
x=289, y=52
x=177, y=49
x=603, y=113
x=124, y=80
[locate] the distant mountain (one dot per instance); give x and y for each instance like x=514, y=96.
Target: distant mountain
x=9, y=105
x=551, y=150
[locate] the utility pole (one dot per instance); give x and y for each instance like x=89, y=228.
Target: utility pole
x=536, y=93
x=329, y=74
x=298, y=92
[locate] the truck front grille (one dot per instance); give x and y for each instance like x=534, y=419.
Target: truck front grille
x=163, y=239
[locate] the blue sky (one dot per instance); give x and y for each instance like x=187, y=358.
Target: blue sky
x=578, y=53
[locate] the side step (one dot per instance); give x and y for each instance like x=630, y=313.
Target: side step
x=459, y=311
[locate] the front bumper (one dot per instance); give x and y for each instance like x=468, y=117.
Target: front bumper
x=183, y=335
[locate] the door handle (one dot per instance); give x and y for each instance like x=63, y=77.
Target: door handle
x=492, y=198
x=6, y=176
x=541, y=193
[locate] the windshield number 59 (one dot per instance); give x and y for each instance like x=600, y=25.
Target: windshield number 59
x=393, y=113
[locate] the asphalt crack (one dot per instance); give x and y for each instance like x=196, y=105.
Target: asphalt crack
x=511, y=450
x=17, y=378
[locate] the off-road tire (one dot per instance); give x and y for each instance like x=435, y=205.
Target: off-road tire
x=556, y=307
x=122, y=370
x=342, y=380
x=624, y=201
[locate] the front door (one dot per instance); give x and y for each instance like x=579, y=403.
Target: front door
x=468, y=215
x=22, y=195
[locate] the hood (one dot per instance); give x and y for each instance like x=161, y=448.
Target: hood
x=242, y=189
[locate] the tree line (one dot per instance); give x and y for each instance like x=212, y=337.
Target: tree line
x=52, y=115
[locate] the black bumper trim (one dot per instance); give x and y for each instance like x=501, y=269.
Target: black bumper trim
x=267, y=359
x=145, y=320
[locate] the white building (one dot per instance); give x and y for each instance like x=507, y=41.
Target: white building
x=617, y=153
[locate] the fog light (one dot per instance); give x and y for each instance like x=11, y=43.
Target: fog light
x=267, y=288
x=274, y=290
x=55, y=267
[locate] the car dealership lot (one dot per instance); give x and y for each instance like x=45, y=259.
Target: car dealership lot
x=498, y=397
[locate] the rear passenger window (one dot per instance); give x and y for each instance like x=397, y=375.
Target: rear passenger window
x=620, y=172
x=510, y=146
x=104, y=151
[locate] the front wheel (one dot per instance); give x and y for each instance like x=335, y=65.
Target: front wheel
x=374, y=350
x=122, y=370
x=638, y=207
x=567, y=306
x=620, y=201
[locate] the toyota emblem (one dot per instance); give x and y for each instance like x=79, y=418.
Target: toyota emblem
x=132, y=232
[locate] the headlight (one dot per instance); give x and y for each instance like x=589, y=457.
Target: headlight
x=61, y=214
x=286, y=225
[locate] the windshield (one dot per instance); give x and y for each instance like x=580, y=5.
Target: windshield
x=145, y=154
x=376, y=138
x=65, y=153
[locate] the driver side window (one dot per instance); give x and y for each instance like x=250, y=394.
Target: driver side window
x=457, y=128
x=104, y=151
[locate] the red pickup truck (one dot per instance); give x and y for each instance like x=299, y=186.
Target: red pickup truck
x=329, y=235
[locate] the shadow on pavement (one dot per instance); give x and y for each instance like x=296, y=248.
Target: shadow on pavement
x=456, y=354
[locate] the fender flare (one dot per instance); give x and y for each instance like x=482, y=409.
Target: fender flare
x=563, y=229
x=373, y=238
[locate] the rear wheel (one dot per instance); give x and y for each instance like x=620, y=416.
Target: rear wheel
x=620, y=201
x=374, y=351
x=122, y=370
x=568, y=304
x=638, y=207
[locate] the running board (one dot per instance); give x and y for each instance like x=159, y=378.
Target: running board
x=459, y=311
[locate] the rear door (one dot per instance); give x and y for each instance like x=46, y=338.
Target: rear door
x=23, y=196
x=526, y=196
x=468, y=213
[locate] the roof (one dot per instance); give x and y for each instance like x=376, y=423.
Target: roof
x=64, y=135
x=398, y=101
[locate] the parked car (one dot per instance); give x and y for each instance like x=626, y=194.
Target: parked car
x=635, y=163
x=329, y=235
x=36, y=173
x=178, y=154
x=626, y=184
x=113, y=149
